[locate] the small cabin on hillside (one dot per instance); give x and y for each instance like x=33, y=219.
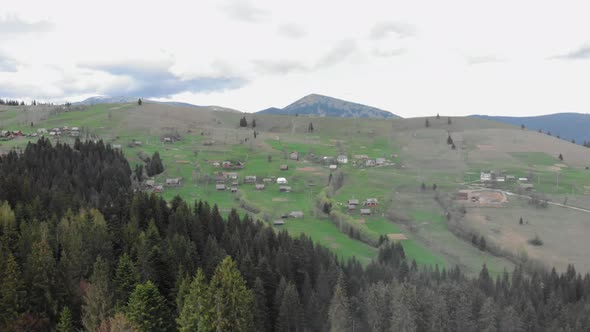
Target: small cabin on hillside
x=365, y=212
x=294, y=155
x=282, y=181
x=485, y=176
x=284, y=167
x=250, y=179
x=371, y=202
x=278, y=222
x=150, y=183
x=380, y=161
x=342, y=159
x=174, y=182
x=353, y=201
x=220, y=186
x=285, y=189
x=259, y=186
x=333, y=167
x=158, y=188
x=370, y=162
x=296, y=214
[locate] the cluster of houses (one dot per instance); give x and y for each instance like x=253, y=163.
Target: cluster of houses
x=53, y=132
x=223, y=178
x=353, y=204
x=158, y=188
x=60, y=131
x=497, y=177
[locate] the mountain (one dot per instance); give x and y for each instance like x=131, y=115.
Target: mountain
x=567, y=126
x=318, y=105
x=123, y=100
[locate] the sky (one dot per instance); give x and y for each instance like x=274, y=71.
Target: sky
x=412, y=58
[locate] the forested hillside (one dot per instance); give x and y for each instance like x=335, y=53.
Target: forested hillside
x=79, y=249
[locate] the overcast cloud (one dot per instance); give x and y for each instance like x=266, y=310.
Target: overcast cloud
x=414, y=58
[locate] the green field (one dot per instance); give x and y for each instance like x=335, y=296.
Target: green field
x=414, y=154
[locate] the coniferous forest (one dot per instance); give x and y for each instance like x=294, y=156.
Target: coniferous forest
x=80, y=249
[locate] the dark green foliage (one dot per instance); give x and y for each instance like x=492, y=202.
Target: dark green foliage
x=560, y=157
x=243, y=122
x=146, y=249
x=139, y=102
x=154, y=165
x=450, y=140
x=536, y=241
x=427, y=123
x=66, y=323
x=147, y=309
x=310, y=127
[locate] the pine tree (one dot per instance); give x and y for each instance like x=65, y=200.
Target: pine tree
x=560, y=157
x=290, y=312
x=139, y=102
x=260, y=311
x=310, y=127
x=40, y=276
x=449, y=140
x=98, y=301
x=449, y=122
x=427, y=123
x=196, y=312
x=487, y=316
x=66, y=323
x=231, y=299
x=125, y=280
x=10, y=286
x=147, y=308
x=254, y=124
x=340, y=313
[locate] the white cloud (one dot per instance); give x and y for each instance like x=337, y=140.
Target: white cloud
x=413, y=58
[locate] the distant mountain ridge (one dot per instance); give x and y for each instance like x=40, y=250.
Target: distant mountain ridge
x=124, y=99
x=567, y=126
x=318, y=105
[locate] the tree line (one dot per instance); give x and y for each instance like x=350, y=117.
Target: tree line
x=105, y=258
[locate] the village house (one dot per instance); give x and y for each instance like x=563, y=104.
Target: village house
x=231, y=175
x=267, y=180
x=370, y=162
x=216, y=163
x=250, y=179
x=150, y=183
x=485, y=176
x=380, y=161
x=285, y=189
x=282, y=181
x=294, y=155
x=371, y=202
x=234, y=189
x=278, y=222
x=351, y=207
x=296, y=214
x=220, y=186
x=353, y=201
x=361, y=156
x=232, y=165
x=342, y=159
x=158, y=188
x=333, y=167
x=75, y=129
x=500, y=179
x=117, y=146
x=167, y=140
x=365, y=212
x=526, y=186
x=75, y=133
x=523, y=180
x=259, y=186
x=42, y=131
x=175, y=182
x=284, y=167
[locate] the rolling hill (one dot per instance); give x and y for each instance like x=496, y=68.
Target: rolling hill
x=318, y=105
x=568, y=126
x=97, y=100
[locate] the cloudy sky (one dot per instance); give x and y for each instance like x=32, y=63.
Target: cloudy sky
x=412, y=58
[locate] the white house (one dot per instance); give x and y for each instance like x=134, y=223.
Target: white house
x=281, y=181
x=485, y=176
x=342, y=159
x=333, y=167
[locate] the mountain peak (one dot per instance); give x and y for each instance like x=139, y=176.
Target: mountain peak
x=319, y=105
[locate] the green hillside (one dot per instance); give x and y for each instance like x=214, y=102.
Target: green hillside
x=425, y=221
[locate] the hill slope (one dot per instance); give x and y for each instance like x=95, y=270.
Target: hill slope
x=126, y=99
x=566, y=125
x=318, y=105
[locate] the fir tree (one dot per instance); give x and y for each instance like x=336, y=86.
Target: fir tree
x=231, y=299
x=196, y=311
x=98, y=302
x=147, y=308
x=10, y=287
x=66, y=323
x=125, y=279
x=340, y=312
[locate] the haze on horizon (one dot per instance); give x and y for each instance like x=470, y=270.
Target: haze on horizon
x=455, y=57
